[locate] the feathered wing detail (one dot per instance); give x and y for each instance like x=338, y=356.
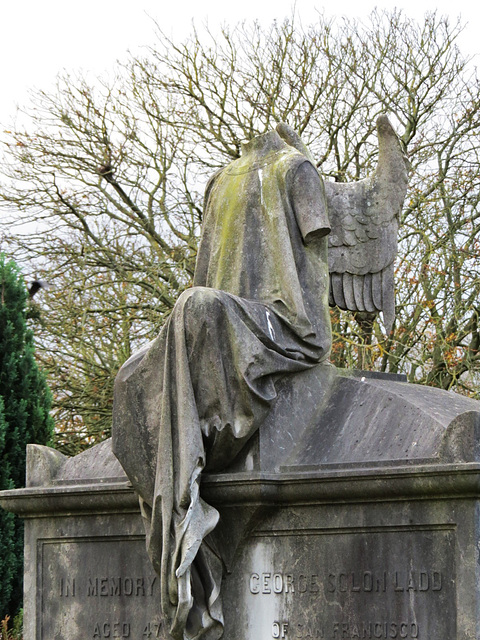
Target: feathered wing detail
x=364, y=218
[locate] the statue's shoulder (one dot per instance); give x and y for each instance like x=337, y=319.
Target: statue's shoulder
x=211, y=181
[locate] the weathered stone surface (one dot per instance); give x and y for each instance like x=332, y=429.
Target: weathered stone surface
x=188, y=402
x=348, y=503
x=87, y=572
x=338, y=417
x=46, y=466
x=327, y=571
x=364, y=218
x=97, y=587
x=328, y=552
x=339, y=547
x=191, y=399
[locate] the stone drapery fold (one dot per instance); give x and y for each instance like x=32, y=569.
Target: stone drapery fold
x=191, y=399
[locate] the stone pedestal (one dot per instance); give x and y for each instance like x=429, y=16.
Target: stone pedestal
x=374, y=553
x=87, y=573
x=365, y=526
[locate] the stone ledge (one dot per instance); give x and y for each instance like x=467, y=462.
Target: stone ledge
x=34, y=502
x=355, y=485
x=419, y=482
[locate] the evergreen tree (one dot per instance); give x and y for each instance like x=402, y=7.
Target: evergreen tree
x=24, y=418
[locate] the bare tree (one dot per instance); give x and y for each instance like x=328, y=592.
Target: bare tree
x=113, y=174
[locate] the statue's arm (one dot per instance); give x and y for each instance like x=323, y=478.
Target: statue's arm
x=309, y=202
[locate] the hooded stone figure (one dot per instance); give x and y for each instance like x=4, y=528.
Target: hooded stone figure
x=192, y=398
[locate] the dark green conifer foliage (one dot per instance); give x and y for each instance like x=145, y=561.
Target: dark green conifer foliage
x=24, y=418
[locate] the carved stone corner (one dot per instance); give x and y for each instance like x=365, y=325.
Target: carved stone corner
x=43, y=465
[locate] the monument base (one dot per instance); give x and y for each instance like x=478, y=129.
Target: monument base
x=87, y=572
x=374, y=535
x=371, y=553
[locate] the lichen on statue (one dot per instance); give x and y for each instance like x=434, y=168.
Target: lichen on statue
x=191, y=399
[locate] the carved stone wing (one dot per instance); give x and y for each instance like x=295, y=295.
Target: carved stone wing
x=364, y=218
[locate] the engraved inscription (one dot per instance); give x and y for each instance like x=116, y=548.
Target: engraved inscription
x=352, y=630
x=120, y=586
x=346, y=585
x=112, y=630
x=67, y=587
x=279, y=629
x=342, y=582
x=375, y=630
x=283, y=583
x=152, y=630
x=347, y=630
x=98, y=588
x=123, y=630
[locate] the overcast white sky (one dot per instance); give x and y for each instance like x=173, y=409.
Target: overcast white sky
x=40, y=38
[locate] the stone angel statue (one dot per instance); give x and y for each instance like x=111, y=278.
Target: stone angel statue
x=190, y=401
x=364, y=219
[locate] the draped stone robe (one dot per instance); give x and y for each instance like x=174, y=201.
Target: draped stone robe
x=191, y=399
